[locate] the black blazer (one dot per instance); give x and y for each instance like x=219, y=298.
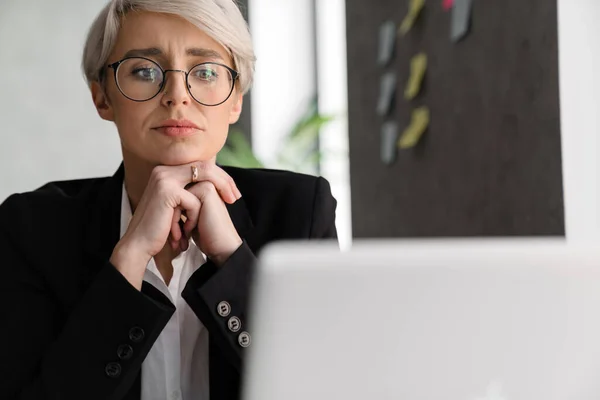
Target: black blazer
x=69, y=316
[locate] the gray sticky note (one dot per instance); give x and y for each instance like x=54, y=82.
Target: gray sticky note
x=389, y=137
x=386, y=93
x=387, y=42
x=461, y=19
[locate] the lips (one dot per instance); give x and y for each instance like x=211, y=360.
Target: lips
x=173, y=127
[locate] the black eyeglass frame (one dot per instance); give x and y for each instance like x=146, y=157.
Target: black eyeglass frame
x=234, y=76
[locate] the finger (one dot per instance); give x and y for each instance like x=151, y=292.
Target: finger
x=170, y=238
x=191, y=205
x=175, y=228
x=182, y=174
x=182, y=227
x=189, y=226
x=184, y=244
x=225, y=186
x=236, y=190
x=221, y=181
x=202, y=189
x=232, y=185
x=228, y=180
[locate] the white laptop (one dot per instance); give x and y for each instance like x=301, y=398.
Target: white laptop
x=423, y=320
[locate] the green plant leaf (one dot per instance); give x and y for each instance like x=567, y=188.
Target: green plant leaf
x=310, y=112
x=303, y=140
x=238, y=152
x=298, y=151
x=314, y=158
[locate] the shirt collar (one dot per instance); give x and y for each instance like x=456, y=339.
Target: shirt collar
x=126, y=213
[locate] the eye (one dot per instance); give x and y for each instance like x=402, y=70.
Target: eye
x=149, y=74
x=206, y=73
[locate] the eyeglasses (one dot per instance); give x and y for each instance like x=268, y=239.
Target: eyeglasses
x=141, y=79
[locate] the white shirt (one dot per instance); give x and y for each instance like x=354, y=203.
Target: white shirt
x=176, y=367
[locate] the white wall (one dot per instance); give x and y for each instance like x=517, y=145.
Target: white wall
x=50, y=129
x=333, y=100
x=579, y=54
x=284, y=80
x=285, y=84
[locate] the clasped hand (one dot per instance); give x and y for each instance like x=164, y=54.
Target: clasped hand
x=168, y=196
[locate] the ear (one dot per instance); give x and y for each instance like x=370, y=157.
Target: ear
x=103, y=107
x=236, y=110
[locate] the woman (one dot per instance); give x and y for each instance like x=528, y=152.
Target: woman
x=135, y=286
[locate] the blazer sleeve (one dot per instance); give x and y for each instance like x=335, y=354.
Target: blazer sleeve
x=219, y=295
x=93, y=352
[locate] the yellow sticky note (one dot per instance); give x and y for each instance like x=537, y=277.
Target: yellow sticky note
x=418, y=125
x=414, y=10
x=418, y=66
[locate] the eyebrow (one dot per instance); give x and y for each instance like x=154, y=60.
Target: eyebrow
x=206, y=53
x=154, y=51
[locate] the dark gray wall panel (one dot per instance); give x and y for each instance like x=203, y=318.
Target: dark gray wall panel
x=490, y=163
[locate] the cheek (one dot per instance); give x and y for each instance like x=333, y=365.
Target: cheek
x=218, y=119
x=130, y=116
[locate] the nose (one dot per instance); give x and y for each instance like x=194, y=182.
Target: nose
x=175, y=90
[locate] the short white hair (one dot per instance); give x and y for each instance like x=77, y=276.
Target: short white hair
x=219, y=19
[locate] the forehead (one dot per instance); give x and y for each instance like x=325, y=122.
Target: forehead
x=171, y=34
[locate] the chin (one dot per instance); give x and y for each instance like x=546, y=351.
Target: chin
x=185, y=157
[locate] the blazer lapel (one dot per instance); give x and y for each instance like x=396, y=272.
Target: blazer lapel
x=102, y=230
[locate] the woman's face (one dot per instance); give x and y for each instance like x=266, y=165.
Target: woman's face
x=173, y=43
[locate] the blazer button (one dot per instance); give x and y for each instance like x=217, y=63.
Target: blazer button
x=113, y=370
x=124, y=352
x=224, y=309
x=234, y=324
x=244, y=339
x=136, y=334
